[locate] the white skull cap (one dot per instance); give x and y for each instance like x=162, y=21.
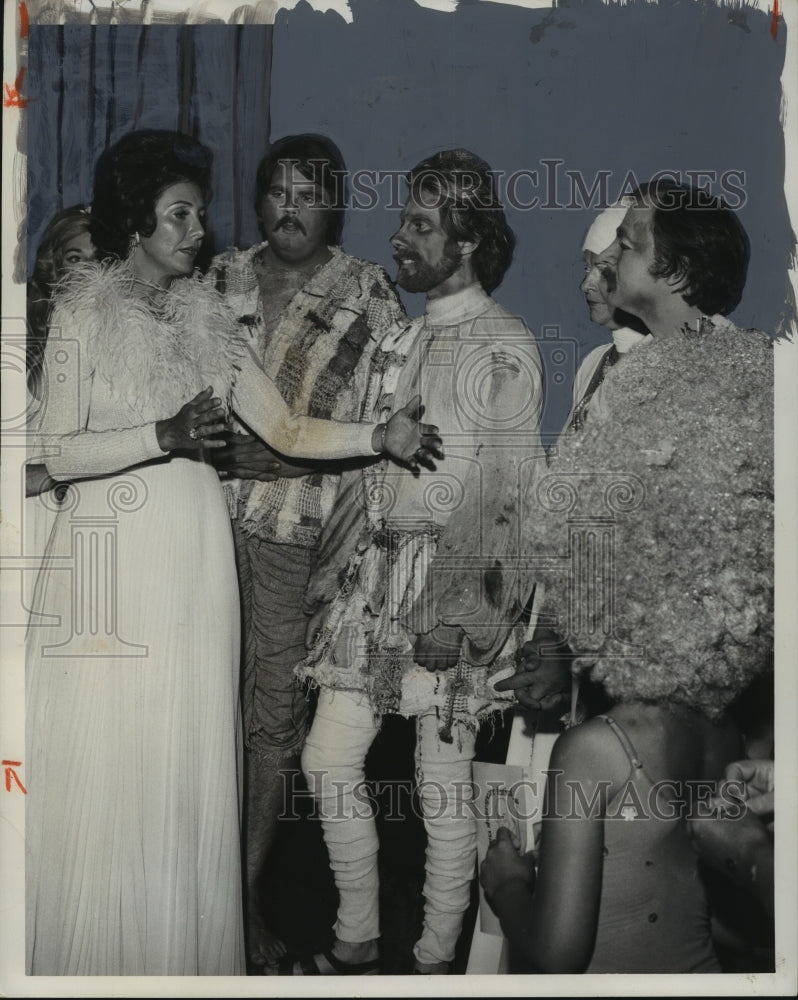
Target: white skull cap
x=603, y=228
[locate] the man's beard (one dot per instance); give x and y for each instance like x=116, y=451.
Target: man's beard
x=424, y=277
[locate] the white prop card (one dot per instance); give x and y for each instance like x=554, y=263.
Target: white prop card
x=500, y=799
x=511, y=795
x=508, y=795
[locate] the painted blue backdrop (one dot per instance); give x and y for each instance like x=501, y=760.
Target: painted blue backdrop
x=639, y=86
x=587, y=86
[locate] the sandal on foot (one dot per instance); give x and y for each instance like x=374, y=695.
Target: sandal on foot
x=326, y=964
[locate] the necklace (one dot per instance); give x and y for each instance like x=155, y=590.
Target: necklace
x=159, y=289
x=152, y=295
x=151, y=289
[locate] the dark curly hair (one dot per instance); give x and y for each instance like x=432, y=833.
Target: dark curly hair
x=699, y=241
x=319, y=160
x=463, y=188
x=132, y=174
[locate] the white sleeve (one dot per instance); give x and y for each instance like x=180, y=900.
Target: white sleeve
x=70, y=450
x=257, y=400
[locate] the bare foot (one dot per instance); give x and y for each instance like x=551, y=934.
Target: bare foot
x=263, y=947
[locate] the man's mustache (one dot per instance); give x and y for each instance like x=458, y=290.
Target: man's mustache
x=293, y=220
x=402, y=255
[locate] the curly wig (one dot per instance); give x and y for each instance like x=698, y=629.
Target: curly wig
x=660, y=518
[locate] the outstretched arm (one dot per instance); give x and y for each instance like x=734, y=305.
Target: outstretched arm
x=258, y=402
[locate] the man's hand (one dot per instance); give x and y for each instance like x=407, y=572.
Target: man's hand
x=406, y=439
x=740, y=848
x=247, y=457
x=730, y=844
x=542, y=678
x=758, y=778
x=440, y=648
x=503, y=864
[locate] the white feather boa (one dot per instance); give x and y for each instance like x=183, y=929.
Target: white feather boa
x=153, y=358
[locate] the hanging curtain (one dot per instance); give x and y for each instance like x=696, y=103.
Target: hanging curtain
x=89, y=84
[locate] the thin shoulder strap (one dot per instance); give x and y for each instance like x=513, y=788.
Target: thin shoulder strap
x=625, y=742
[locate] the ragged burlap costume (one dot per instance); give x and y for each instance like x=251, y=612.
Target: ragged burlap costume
x=315, y=335
x=438, y=548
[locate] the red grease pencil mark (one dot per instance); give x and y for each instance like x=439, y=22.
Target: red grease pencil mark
x=13, y=98
x=774, y=24
x=9, y=766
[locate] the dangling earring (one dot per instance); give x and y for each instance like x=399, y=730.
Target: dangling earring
x=135, y=240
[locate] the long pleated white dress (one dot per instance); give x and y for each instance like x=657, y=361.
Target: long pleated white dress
x=132, y=814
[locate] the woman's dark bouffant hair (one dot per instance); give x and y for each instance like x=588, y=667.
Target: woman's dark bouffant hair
x=132, y=174
x=462, y=187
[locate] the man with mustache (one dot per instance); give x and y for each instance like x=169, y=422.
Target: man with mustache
x=315, y=315
x=430, y=594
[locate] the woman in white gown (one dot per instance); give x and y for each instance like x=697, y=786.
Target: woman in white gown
x=132, y=822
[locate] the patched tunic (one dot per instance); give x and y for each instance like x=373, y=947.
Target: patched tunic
x=316, y=342
x=441, y=547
